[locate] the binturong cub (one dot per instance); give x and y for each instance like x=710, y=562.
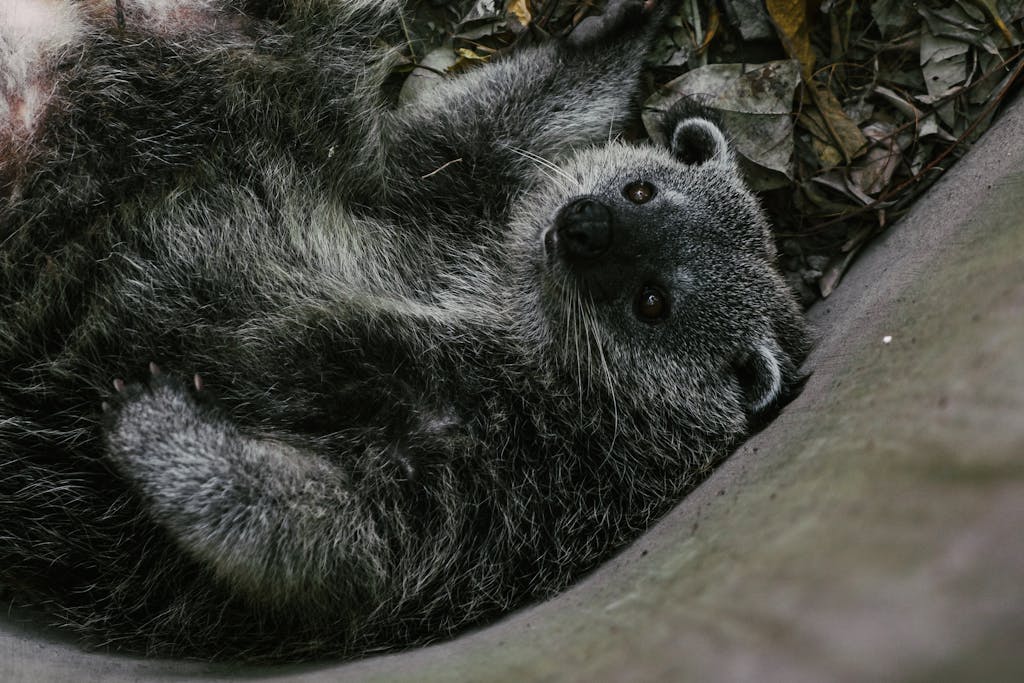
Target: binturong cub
x=286, y=371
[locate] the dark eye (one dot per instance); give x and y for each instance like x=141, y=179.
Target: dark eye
x=639, y=192
x=651, y=304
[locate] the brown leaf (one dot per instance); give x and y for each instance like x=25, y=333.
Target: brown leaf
x=709, y=35
x=793, y=26
x=844, y=133
x=791, y=23
x=812, y=120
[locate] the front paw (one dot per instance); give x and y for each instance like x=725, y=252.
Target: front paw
x=143, y=420
x=620, y=17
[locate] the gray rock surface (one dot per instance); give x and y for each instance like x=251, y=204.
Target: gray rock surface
x=875, y=531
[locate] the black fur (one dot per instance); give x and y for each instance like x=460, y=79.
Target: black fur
x=414, y=412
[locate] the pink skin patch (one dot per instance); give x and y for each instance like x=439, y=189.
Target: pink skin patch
x=166, y=18
x=34, y=34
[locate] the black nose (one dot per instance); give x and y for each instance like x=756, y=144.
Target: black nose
x=584, y=228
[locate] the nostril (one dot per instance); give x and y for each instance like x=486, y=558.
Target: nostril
x=584, y=228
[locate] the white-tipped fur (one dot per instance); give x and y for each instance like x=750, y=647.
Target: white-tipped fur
x=389, y=397
x=769, y=354
x=702, y=132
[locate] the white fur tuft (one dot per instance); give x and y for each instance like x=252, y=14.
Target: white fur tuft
x=773, y=375
x=32, y=35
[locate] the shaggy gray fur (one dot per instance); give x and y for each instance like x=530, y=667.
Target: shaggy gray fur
x=452, y=354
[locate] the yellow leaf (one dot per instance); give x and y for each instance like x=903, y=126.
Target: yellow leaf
x=467, y=54
x=793, y=27
x=519, y=11
x=821, y=140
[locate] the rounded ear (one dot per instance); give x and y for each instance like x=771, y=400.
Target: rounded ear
x=698, y=141
x=759, y=373
x=768, y=380
x=694, y=132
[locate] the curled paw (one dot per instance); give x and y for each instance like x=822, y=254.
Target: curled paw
x=157, y=430
x=151, y=408
x=156, y=383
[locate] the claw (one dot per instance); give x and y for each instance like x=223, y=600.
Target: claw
x=154, y=369
x=118, y=385
x=198, y=382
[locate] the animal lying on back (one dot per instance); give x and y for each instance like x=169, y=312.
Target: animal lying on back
x=450, y=355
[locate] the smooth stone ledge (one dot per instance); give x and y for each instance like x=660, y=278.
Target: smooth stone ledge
x=875, y=531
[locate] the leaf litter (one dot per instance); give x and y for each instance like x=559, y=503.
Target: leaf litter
x=842, y=112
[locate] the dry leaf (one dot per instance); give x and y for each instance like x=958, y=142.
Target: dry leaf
x=790, y=19
x=993, y=12
x=875, y=171
x=519, y=12
x=844, y=133
x=893, y=16
x=792, y=23
x=750, y=18
x=709, y=34
x=754, y=102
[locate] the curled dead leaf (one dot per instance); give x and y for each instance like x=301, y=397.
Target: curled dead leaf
x=518, y=12
x=844, y=133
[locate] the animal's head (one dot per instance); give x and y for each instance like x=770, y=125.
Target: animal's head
x=657, y=276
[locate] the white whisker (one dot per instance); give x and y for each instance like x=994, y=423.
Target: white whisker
x=594, y=333
x=545, y=163
x=540, y=167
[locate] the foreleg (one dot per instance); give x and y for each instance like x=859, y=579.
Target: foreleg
x=275, y=520
x=472, y=137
